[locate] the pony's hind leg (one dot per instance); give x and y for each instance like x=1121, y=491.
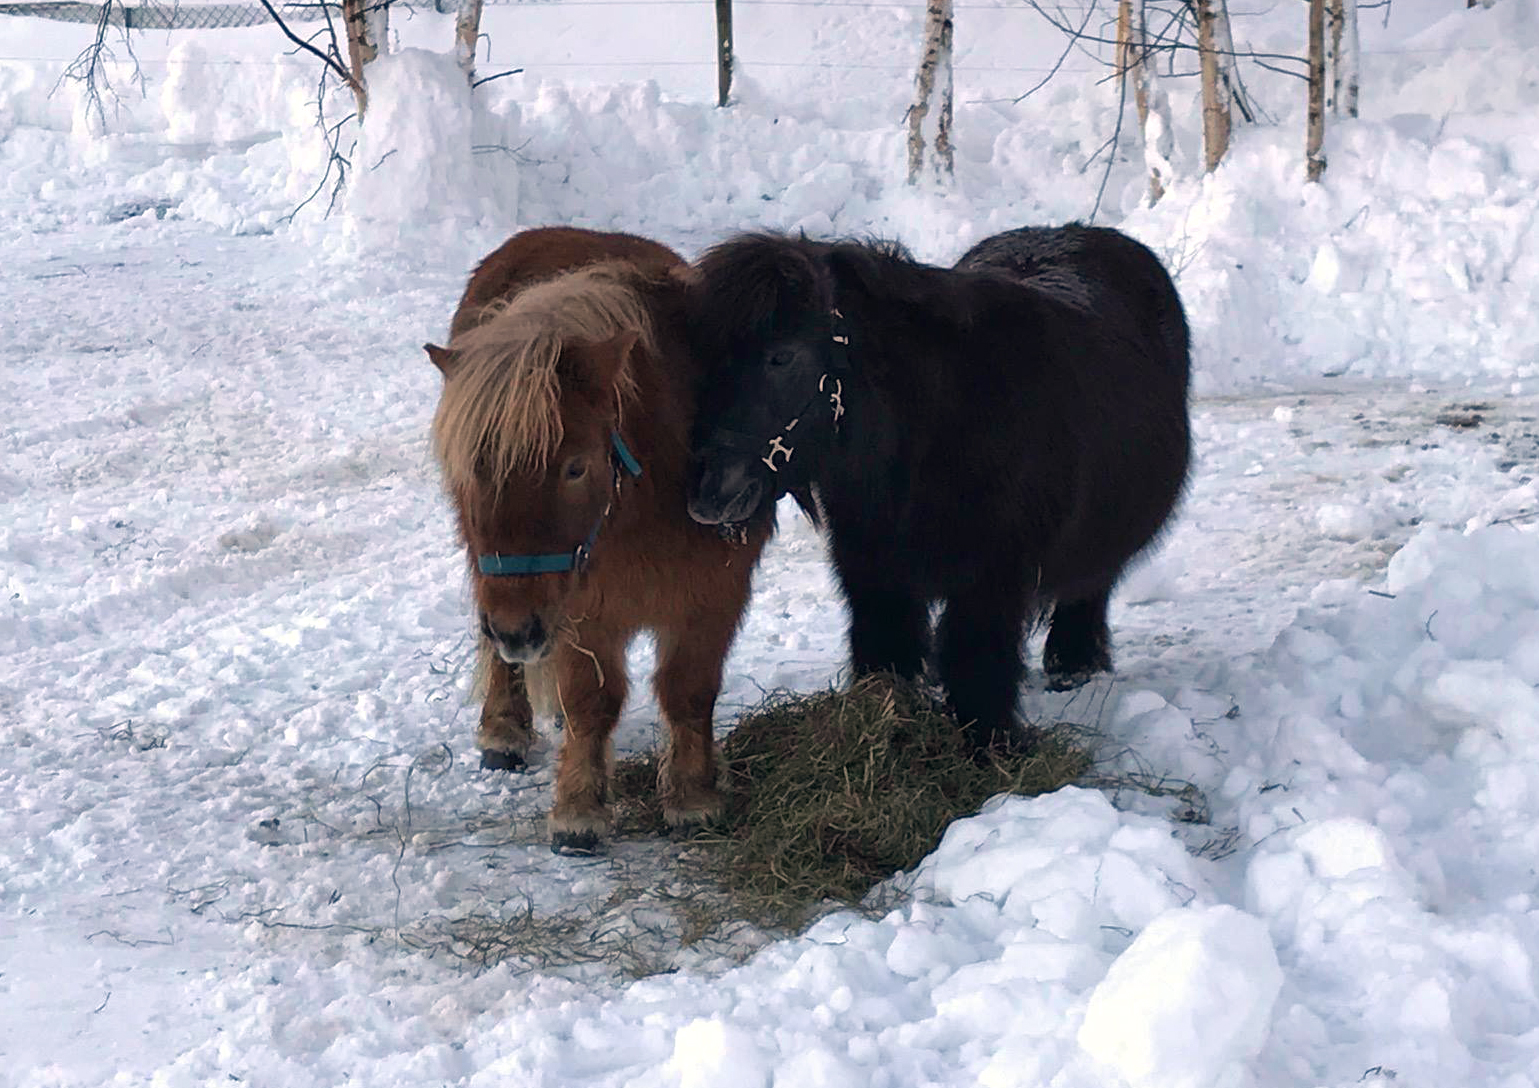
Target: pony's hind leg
x=590, y=689
x=687, y=682
x=978, y=658
x=1078, y=642
x=506, y=732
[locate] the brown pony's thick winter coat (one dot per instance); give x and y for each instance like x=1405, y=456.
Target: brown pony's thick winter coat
x=567, y=358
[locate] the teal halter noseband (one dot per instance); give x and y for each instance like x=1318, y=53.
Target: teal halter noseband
x=577, y=559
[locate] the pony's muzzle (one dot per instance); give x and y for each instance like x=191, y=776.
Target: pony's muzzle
x=725, y=494
x=528, y=643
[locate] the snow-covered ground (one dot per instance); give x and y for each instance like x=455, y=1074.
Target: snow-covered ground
x=243, y=836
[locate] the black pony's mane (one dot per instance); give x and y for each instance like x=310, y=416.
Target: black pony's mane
x=753, y=284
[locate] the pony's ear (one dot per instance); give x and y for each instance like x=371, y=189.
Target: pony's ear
x=600, y=365
x=443, y=358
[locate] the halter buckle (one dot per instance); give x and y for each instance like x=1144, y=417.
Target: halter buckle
x=777, y=446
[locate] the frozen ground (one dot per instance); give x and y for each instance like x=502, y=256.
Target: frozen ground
x=243, y=831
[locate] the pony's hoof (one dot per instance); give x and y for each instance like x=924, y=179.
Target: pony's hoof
x=1069, y=679
x=493, y=759
x=1012, y=740
x=684, y=820
x=581, y=844
x=577, y=830
x=690, y=831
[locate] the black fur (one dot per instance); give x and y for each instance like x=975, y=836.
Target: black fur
x=1014, y=432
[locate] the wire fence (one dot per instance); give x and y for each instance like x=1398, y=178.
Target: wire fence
x=203, y=16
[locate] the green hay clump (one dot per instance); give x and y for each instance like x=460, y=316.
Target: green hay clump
x=834, y=792
x=638, y=808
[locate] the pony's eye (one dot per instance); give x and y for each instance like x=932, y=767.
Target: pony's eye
x=575, y=470
x=781, y=358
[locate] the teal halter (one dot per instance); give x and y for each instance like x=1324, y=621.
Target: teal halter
x=577, y=559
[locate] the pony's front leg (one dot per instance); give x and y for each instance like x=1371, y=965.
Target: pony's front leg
x=590, y=690
x=978, y=657
x=889, y=629
x=506, y=732
x=687, y=682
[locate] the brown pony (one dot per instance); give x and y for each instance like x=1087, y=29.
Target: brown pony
x=563, y=435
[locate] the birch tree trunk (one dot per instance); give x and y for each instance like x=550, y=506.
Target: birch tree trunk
x=377, y=20
x=467, y=31
x=1314, y=137
x=1134, y=62
x=933, y=81
x=367, y=24
x=1159, y=136
x=1216, y=81
x=1342, y=16
x=1224, y=54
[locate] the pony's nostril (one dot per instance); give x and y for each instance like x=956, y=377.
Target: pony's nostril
x=748, y=498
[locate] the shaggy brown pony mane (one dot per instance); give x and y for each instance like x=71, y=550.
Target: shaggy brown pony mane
x=500, y=412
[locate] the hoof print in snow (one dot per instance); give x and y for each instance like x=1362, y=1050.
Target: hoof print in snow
x=253, y=538
x=1460, y=418
x=580, y=844
x=268, y=832
x=493, y=760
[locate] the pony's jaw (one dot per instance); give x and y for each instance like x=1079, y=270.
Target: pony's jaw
x=725, y=495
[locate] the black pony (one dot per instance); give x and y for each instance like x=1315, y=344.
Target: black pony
x=1001, y=436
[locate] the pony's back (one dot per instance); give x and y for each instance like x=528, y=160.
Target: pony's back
x=1097, y=269
x=539, y=254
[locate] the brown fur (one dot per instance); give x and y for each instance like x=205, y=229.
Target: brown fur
x=562, y=336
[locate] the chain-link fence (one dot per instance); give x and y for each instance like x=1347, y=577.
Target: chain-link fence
x=165, y=16
x=176, y=16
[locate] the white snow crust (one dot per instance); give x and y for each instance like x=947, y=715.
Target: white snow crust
x=242, y=832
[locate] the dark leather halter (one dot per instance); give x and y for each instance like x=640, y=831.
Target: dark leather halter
x=830, y=385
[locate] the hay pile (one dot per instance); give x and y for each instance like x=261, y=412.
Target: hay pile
x=834, y=792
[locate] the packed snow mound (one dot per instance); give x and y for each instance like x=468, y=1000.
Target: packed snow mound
x=1391, y=790
x=1189, y=1000
x=1450, y=644
x=430, y=161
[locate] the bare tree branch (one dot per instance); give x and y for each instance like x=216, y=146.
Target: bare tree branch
x=1165, y=41
x=89, y=68
x=332, y=61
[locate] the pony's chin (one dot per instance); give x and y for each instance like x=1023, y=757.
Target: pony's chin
x=522, y=657
x=734, y=511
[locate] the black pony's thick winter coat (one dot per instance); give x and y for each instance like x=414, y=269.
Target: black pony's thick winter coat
x=1006, y=435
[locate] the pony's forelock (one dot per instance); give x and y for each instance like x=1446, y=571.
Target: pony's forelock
x=752, y=283
x=500, y=412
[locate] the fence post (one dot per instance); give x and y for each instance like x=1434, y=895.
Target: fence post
x=723, y=51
